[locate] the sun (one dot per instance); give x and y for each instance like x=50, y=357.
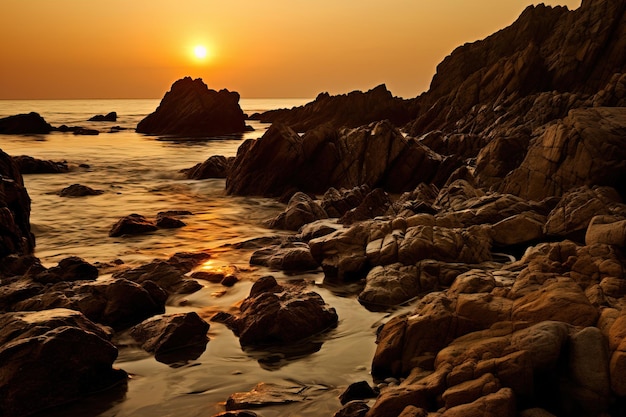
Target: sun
x=200, y=52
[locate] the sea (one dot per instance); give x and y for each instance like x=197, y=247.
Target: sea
x=141, y=174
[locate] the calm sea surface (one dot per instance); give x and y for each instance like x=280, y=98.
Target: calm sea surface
x=140, y=174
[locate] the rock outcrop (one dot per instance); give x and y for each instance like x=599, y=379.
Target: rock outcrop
x=24, y=124
x=190, y=108
x=347, y=110
x=377, y=155
x=15, y=234
x=588, y=147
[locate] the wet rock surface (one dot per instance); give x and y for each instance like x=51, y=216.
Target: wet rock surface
x=62, y=340
x=173, y=332
x=278, y=314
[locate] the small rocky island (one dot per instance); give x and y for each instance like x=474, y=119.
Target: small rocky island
x=190, y=108
x=491, y=208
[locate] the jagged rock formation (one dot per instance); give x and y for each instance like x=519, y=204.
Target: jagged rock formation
x=190, y=108
x=347, y=110
x=377, y=155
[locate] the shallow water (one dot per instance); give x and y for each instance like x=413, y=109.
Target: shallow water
x=140, y=174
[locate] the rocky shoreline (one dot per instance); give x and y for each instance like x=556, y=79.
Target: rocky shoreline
x=492, y=206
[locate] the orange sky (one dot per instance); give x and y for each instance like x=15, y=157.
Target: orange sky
x=271, y=48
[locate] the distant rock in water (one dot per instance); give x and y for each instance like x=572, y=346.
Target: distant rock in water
x=191, y=109
x=109, y=117
x=31, y=123
x=347, y=110
x=78, y=190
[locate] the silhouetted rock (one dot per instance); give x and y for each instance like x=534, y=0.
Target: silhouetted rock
x=347, y=110
x=216, y=166
x=191, y=109
x=109, y=117
x=15, y=234
x=30, y=165
x=133, y=224
x=31, y=123
x=36, y=349
x=79, y=190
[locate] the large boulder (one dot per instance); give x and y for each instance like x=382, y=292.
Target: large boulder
x=50, y=358
x=190, y=108
x=31, y=123
x=275, y=314
x=167, y=333
x=15, y=234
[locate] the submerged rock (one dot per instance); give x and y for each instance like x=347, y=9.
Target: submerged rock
x=79, y=190
x=133, y=224
x=191, y=109
x=265, y=394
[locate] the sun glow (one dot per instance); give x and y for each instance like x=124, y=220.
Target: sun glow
x=200, y=52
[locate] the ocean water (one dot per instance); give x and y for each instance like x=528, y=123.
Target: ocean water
x=140, y=174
